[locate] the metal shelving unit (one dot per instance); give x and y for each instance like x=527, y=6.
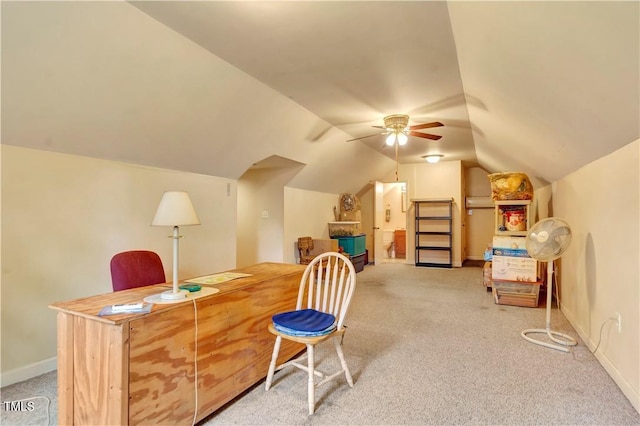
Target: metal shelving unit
x=434, y=232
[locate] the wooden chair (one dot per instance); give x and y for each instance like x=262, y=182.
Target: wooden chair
x=305, y=247
x=327, y=285
x=136, y=268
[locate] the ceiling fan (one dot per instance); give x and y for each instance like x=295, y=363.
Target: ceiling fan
x=397, y=128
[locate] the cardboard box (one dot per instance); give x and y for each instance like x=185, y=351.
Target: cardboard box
x=511, y=268
x=486, y=274
x=510, y=252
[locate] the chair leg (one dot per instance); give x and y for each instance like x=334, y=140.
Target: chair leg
x=274, y=359
x=312, y=383
x=347, y=373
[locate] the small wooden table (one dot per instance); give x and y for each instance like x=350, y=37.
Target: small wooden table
x=176, y=364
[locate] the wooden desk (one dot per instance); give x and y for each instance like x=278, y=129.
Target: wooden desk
x=141, y=368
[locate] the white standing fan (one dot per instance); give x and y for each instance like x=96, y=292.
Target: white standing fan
x=547, y=241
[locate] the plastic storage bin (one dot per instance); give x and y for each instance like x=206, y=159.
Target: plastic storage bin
x=344, y=229
x=358, y=262
x=353, y=246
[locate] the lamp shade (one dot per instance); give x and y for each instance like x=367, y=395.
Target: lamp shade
x=175, y=209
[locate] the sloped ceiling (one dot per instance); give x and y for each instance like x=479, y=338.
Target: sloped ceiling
x=558, y=83
x=214, y=87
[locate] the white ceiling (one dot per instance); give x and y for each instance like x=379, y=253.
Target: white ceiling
x=543, y=87
x=213, y=87
x=349, y=63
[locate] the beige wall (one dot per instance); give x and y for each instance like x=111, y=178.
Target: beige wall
x=480, y=222
x=392, y=200
x=64, y=217
x=599, y=271
x=260, y=233
x=306, y=214
x=442, y=180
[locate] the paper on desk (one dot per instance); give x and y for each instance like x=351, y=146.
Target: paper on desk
x=217, y=278
x=108, y=310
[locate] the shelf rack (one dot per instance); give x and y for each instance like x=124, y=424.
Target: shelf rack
x=434, y=232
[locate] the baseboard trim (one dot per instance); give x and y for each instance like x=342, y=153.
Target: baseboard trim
x=475, y=258
x=623, y=384
x=28, y=371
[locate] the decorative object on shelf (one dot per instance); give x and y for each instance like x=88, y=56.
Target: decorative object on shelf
x=512, y=217
x=348, y=202
x=349, y=207
x=175, y=210
x=510, y=186
x=547, y=240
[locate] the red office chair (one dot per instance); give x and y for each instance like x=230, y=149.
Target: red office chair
x=136, y=268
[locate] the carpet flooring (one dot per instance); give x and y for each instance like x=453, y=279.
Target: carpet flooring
x=425, y=346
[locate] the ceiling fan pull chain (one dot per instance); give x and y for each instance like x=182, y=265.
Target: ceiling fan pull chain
x=396, y=162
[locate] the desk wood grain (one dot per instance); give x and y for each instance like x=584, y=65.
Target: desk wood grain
x=147, y=368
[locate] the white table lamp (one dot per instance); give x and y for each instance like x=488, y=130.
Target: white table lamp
x=175, y=210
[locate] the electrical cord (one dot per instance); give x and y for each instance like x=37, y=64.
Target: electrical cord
x=600, y=337
x=555, y=272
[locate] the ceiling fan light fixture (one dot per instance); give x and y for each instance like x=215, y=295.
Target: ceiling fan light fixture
x=402, y=139
x=433, y=158
x=391, y=139
x=396, y=121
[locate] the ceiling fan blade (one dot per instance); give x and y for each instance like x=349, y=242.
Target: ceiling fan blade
x=425, y=135
x=363, y=137
x=426, y=125
x=379, y=127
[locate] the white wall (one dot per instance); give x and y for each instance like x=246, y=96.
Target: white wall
x=599, y=271
x=64, y=217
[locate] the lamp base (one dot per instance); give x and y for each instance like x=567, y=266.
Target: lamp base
x=170, y=295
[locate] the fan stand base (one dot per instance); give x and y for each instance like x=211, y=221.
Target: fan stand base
x=568, y=341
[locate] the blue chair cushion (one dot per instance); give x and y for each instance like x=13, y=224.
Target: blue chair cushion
x=304, y=320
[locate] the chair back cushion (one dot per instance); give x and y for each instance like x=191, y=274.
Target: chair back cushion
x=136, y=268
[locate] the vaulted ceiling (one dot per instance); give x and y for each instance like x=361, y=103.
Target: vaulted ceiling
x=213, y=87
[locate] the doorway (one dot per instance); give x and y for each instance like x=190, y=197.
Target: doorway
x=390, y=218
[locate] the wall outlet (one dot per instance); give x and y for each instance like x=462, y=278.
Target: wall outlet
x=618, y=318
